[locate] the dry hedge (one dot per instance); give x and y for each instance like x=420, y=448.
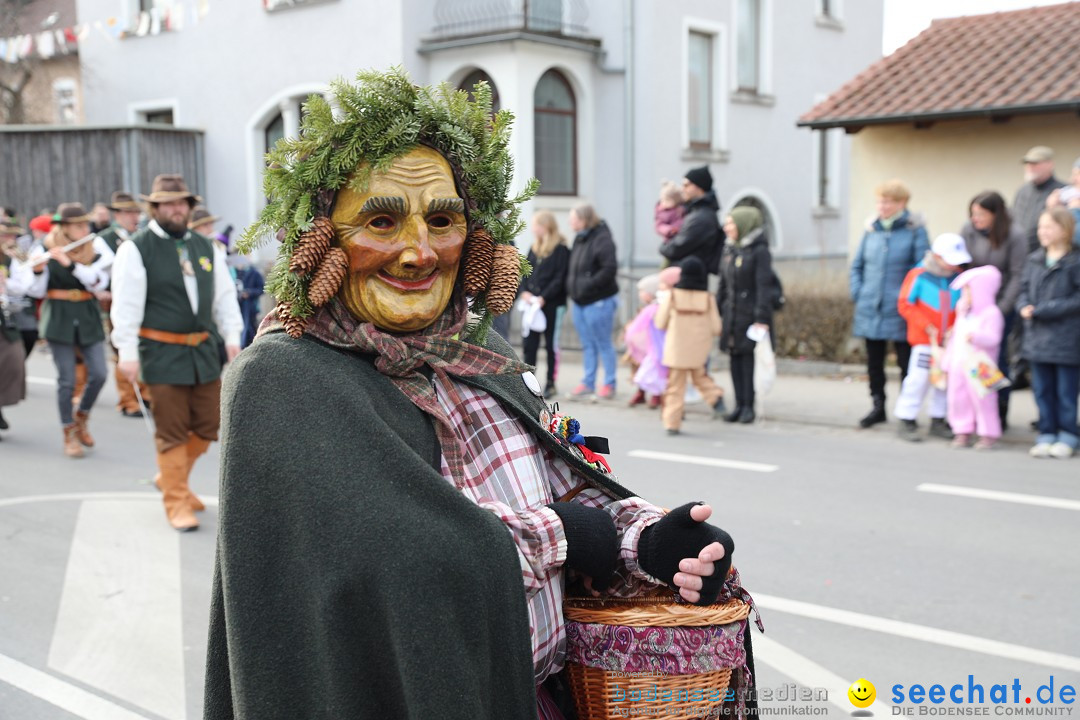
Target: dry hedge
x=815, y=324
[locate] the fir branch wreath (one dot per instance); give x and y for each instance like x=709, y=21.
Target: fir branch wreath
x=375, y=120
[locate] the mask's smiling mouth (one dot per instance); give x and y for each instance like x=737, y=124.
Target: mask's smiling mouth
x=409, y=285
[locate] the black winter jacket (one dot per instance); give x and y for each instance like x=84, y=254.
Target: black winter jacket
x=700, y=234
x=1052, y=335
x=746, y=291
x=592, y=266
x=548, y=279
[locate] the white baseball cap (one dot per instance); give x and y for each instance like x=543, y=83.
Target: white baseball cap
x=951, y=248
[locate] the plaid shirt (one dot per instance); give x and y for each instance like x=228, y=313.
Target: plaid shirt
x=512, y=475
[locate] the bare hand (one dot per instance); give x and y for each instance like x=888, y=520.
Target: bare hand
x=103, y=296
x=1053, y=199
x=1027, y=312
x=129, y=369
x=527, y=296
x=539, y=300
x=231, y=351
x=691, y=570
x=58, y=254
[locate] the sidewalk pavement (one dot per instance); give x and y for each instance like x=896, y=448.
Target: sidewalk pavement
x=807, y=393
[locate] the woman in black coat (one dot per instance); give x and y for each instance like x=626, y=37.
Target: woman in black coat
x=745, y=300
x=550, y=258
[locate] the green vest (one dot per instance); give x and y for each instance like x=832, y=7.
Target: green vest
x=111, y=237
x=64, y=321
x=168, y=309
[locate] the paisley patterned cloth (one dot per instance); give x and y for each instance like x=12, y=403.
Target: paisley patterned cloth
x=660, y=650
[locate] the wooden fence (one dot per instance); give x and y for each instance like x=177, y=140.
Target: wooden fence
x=41, y=167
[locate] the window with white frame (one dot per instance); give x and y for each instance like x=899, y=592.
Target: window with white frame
x=748, y=43
x=149, y=5
x=700, y=84
x=65, y=101
x=830, y=10
x=555, y=128
x=826, y=165
x=163, y=116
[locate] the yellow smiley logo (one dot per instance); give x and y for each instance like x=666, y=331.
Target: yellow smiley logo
x=862, y=693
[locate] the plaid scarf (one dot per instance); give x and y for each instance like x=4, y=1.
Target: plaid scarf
x=401, y=357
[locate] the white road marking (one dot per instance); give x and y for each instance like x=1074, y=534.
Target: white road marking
x=707, y=461
x=51, y=382
x=1020, y=498
x=208, y=500
x=54, y=691
x=925, y=633
x=807, y=673
x=119, y=627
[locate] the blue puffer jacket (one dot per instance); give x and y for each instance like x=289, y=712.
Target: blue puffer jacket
x=877, y=272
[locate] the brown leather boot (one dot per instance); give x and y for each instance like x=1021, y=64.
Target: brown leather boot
x=195, y=448
x=81, y=431
x=72, y=447
x=173, y=481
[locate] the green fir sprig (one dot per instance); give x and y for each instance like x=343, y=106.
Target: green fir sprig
x=375, y=120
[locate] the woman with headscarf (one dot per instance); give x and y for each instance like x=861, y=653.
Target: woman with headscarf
x=745, y=298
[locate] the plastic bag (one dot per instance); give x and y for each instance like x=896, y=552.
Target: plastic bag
x=764, y=365
x=983, y=373
x=938, y=376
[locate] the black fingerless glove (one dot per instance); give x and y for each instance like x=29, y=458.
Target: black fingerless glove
x=663, y=545
x=592, y=542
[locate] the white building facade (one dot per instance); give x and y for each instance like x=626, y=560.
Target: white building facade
x=611, y=96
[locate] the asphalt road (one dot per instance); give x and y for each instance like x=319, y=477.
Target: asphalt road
x=869, y=558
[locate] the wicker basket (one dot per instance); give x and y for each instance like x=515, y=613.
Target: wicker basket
x=601, y=693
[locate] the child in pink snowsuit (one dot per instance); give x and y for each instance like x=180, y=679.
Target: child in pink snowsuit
x=979, y=326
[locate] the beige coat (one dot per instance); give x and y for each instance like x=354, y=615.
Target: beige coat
x=692, y=322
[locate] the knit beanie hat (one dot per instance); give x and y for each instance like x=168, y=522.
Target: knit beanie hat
x=701, y=177
x=693, y=276
x=747, y=220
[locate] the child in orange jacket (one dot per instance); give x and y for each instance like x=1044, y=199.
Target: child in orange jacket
x=928, y=305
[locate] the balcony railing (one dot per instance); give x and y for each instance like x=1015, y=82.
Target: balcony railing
x=459, y=18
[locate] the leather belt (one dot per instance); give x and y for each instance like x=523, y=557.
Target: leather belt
x=70, y=295
x=189, y=339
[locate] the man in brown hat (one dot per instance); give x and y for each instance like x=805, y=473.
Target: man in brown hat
x=174, y=307
x=68, y=276
x=125, y=222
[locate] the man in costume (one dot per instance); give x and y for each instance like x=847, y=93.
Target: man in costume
x=12, y=357
x=125, y=222
x=67, y=276
x=399, y=509
x=173, y=308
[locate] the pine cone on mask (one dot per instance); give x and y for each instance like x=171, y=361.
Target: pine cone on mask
x=293, y=326
x=505, y=276
x=328, y=277
x=313, y=244
x=479, y=256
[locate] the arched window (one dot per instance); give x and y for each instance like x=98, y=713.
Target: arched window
x=275, y=130
x=477, y=76
x=769, y=222
x=556, y=135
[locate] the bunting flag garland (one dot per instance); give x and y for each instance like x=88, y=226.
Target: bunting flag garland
x=54, y=42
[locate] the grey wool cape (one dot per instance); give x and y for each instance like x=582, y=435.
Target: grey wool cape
x=351, y=579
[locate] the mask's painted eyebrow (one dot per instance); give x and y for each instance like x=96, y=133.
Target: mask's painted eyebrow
x=385, y=203
x=447, y=205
